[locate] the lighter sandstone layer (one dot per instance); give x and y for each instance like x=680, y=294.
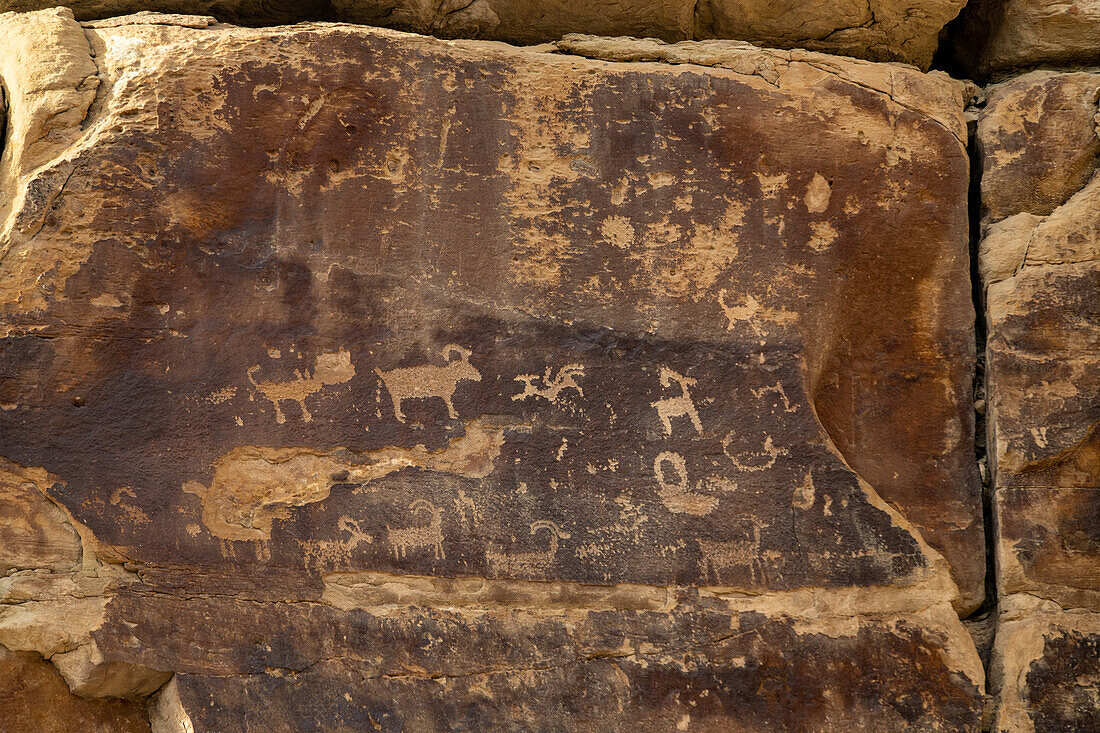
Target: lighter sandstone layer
x=879, y=30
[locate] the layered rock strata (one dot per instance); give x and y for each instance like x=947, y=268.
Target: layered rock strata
x=880, y=30
x=365, y=380
x=1040, y=192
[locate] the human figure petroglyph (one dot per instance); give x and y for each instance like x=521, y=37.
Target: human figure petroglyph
x=328, y=369
x=356, y=534
x=680, y=405
x=528, y=563
x=429, y=536
x=805, y=494
x=677, y=494
x=551, y=387
x=741, y=459
x=427, y=381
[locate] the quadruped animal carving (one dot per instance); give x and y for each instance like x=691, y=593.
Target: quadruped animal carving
x=427, y=537
x=527, y=563
x=680, y=405
x=551, y=388
x=424, y=382
x=328, y=369
x=753, y=313
x=720, y=558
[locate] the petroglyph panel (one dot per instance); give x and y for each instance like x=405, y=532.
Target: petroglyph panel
x=419, y=325
x=313, y=335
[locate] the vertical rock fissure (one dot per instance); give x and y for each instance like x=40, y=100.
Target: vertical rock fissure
x=3, y=118
x=980, y=393
x=982, y=623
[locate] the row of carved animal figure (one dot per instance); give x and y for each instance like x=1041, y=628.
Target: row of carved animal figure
x=404, y=383
x=441, y=382
x=429, y=537
x=430, y=381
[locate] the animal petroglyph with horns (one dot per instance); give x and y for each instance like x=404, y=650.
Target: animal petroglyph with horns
x=428, y=381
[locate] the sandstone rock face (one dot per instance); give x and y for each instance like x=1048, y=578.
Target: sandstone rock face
x=1001, y=35
x=33, y=697
x=880, y=30
x=1045, y=668
x=1038, y=263
x=372, y=381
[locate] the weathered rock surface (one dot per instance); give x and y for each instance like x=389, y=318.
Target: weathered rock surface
x=1039, y=266
x=1046, y=667
x=33, y=697
x=998, y=36
x=879, y=30
x=1037, y=142
x=389, y=381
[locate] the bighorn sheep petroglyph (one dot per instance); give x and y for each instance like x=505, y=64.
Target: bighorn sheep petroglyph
x=333, y=368
x=429, y=536
x=527, y=563
x=423, y=382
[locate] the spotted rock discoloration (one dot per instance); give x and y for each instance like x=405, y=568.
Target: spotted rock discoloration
x=1040, y=274
x=1046, y=667
x=464, y=313
x=1037, y=142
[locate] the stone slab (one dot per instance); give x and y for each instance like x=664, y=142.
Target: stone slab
x=336, y=340
x=1038, y=263
x=1046, y=668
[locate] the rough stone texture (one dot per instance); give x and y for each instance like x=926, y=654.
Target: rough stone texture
x=1037, y=142
x=1046, y=667
x=998, y=36
x=34, y=532
x=390, y=381
x=1038, y=261
x=33, y=697
x=879, y=30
